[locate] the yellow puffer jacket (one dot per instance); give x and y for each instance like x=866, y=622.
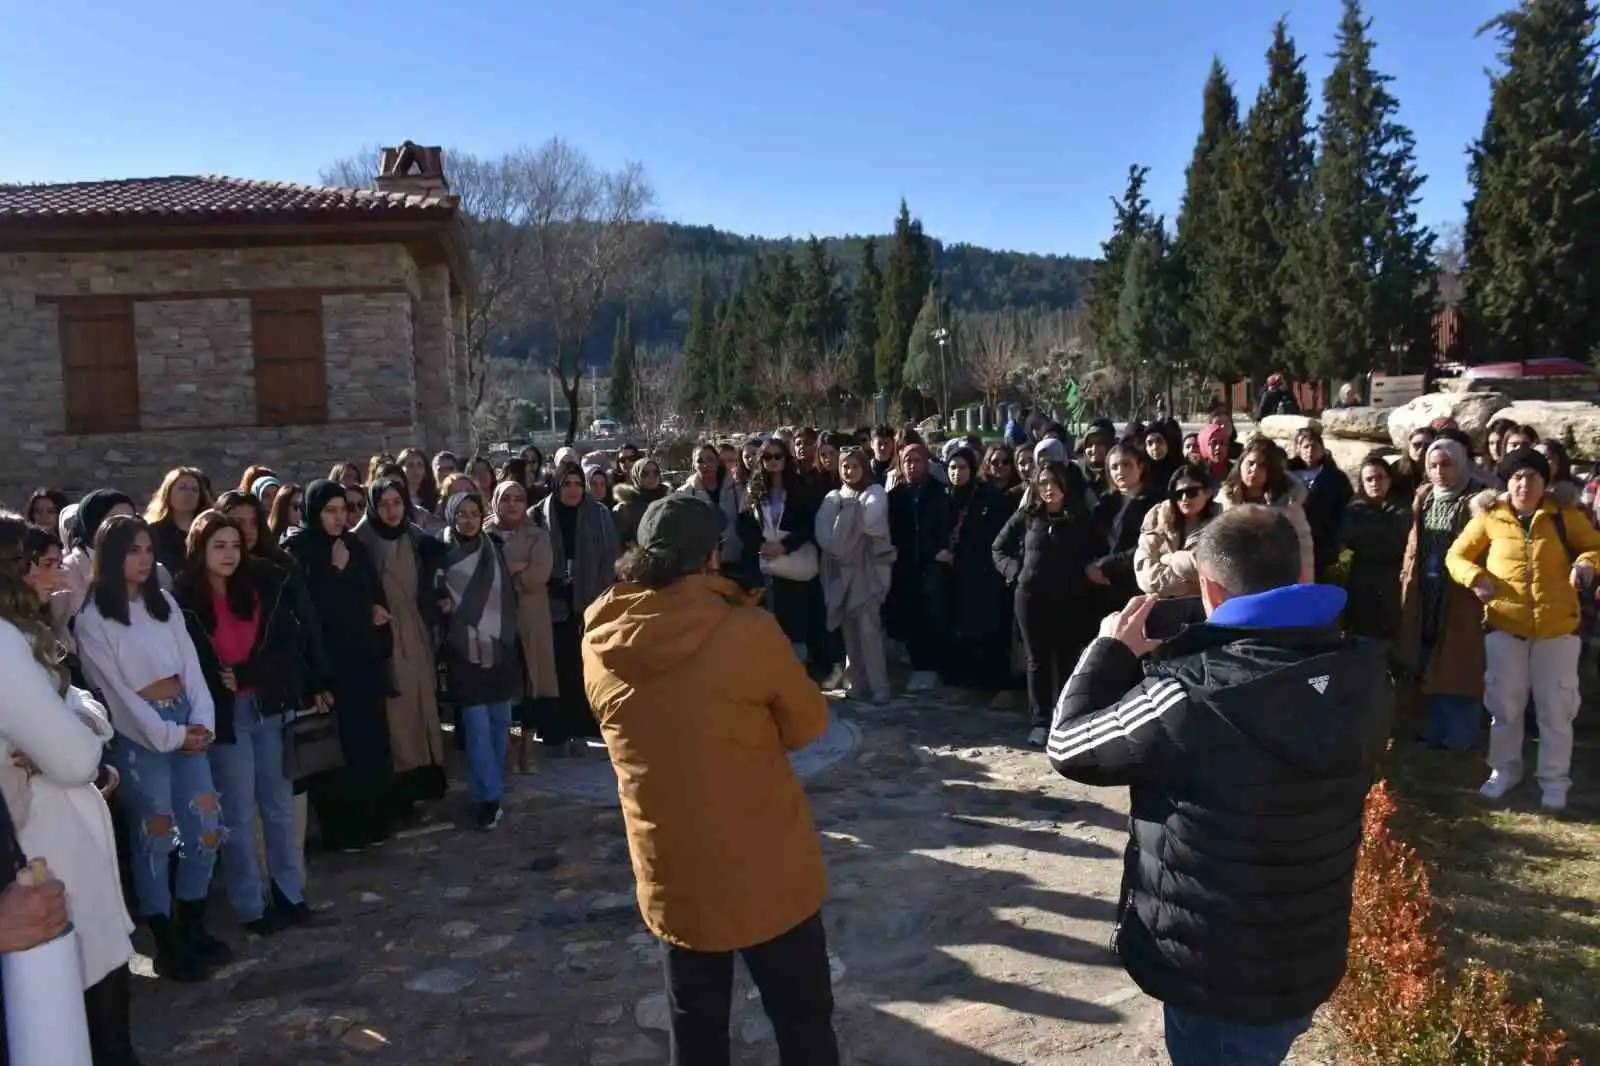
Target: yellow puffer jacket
x=1531, y=569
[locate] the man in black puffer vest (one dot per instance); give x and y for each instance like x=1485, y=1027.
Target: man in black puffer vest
x=1248, y=745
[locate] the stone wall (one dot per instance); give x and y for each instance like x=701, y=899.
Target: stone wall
x=195, y=370
x=1518, y=389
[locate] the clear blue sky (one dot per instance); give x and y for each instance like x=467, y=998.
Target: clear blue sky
x=1006, y=123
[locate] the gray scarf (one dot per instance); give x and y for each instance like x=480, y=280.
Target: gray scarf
x=483, y=604
x=593, y=563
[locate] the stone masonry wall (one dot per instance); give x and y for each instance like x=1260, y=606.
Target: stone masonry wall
x=195, y=364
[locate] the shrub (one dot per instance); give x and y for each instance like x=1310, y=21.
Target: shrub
x=1398, y=1004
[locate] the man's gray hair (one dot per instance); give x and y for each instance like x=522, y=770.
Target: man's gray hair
x=1249, y=549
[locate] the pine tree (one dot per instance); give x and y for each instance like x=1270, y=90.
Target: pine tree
x=1132, y=225
x=1533, y=224
x=818, y=316
x=704, y=392
x=622, y=368
x=1361, y=278
x=861, y=338
x=905, y=283
x=1262, y=208
x=1194, y=249
x=735, y=357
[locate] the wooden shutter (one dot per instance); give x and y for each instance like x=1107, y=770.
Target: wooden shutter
x=99, y=364
x=291, y=366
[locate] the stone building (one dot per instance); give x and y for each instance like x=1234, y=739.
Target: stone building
x=212, y=321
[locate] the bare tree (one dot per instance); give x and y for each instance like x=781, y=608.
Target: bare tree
x=659, y=384
x=551, y=236
x=1450, y=255
x=773, y=386
x=995, y=348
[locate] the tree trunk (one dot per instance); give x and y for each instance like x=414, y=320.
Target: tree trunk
x=572, y=395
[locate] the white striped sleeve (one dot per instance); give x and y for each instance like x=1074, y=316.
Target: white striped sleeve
x=1118, y=743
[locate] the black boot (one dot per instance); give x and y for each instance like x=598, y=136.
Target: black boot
x=106, y=1005
x=174, y=960
x=207, y=949
x=296, y=915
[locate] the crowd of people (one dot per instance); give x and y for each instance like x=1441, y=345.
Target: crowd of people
x=221, y=666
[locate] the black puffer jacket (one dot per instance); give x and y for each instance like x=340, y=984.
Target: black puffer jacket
x=1046, y=554
x=1249, y=749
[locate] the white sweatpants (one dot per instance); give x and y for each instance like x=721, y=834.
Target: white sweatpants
x=1549, y=669
x=866, y=666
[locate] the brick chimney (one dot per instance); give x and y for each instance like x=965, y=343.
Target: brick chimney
x=413, y=170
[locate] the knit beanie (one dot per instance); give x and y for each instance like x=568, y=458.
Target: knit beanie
x=1049, y=450
x=1519, y=459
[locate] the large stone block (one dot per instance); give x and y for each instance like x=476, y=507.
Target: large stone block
x=1358, y=423
x=1574, y=423
x=1282, y=428
x=1472, y=411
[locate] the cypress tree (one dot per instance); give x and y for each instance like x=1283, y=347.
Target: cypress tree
x=703, y=394
x=735, y=357
x=818, y=316
x=905, y=283
x=1533, y=223
x=1262, y=208
x=929, y=367
x=1361, y=276
x=861, y=336
x=1132, y=225
x=1194, y=249
x=622, y=368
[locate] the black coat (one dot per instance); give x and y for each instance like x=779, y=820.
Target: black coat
x=977, y=599
x=171, y=545
x=1248, y=753
x=1046, y=556
x=792, y=602
x=919, y=529
x=1117, y=520
x=1326, y=499
x=279, y=669
x=1376, y=536
x=358, y=650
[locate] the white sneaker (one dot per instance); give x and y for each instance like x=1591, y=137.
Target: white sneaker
x=922, y=681
x=1553, y=800
x=835, y=681
x=1038, y=737
x=1498, y=785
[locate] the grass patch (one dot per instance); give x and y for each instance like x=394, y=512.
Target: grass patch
x=1513, y=886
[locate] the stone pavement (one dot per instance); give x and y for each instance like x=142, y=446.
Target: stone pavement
x=972, y=896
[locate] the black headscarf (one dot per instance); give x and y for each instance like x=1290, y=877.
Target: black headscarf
x=375, y=493
x=313, y=544
x=461, y=545
x=92, y=510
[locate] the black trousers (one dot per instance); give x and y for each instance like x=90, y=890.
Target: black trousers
x=568, y=717
x=790, y=971
x=106, y=1005
x=1053, y=636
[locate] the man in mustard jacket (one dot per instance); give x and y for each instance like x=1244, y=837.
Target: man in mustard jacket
x=700, y=699
x=1527, y=554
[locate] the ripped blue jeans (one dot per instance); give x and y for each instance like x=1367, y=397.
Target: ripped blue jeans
x=171, y=805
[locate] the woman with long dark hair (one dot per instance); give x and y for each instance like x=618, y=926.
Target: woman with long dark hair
x=406, y=559
x=422, y=488
x=1262, y=477
x=351, y=802
x=1041, y=552
x=51, y=740
x=285, y=511
x=1377, y=525
x=1118, y=517
x=780, y=519
x=485, y=669
x=44, y=508
x=77, y=566
x=239, y=613
x=1164, y=562
x=583, y=543
x=137, y=652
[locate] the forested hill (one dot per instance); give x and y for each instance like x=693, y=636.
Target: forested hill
x=975, y=279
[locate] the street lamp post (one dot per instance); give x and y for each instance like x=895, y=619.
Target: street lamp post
x=941, y=336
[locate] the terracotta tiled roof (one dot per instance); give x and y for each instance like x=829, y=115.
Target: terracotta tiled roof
x=201, y=197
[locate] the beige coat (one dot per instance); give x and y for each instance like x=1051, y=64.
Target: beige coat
x=1159, y=564
x=529, y=556
x=1292, y=503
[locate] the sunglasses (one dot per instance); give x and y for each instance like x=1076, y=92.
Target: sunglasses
x=1189, y=492
x=771, y=457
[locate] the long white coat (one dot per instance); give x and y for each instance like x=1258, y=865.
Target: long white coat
x=61, y=817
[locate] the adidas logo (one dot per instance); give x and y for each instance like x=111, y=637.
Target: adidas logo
x=1320, y=683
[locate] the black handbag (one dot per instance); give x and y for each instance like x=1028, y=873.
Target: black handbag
x=311, y=745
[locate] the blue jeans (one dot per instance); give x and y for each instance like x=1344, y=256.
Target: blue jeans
x=1196, y=1041
x=1454, y=722
x=249, y=775
x=171, y=805
x=486, y=726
